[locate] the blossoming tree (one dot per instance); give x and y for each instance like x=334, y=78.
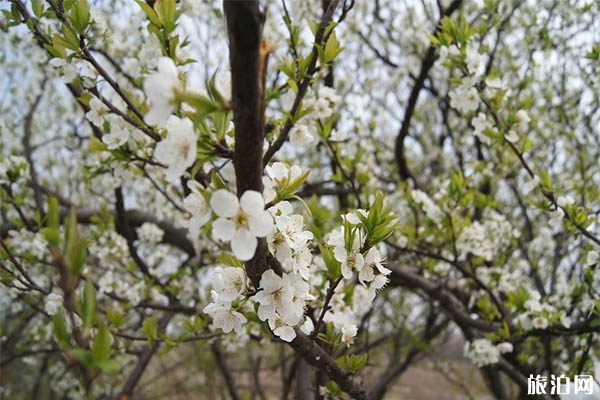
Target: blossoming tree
x=335, y=189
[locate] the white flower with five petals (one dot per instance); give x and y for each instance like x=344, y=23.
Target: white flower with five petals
x=240, y=221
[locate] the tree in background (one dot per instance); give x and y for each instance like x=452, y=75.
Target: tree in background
x=299, y=199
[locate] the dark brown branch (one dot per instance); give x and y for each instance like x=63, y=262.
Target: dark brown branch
x=143, y=361
x=225, y=371
x=173, y=235
x=426, y=65
x=28, y=149
x=320, y=38
x=317, y=357
x=244, y=27
x=409, y=277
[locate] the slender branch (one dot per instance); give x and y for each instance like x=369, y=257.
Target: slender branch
x=143, y=361
x=225, y=371
x=320, y=38
x=426, y=65
x=28, y=149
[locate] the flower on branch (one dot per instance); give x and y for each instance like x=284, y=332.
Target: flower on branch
x=161, y=88
x=178, y=150
x=241, y=221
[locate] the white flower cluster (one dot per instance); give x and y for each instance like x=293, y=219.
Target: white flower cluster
x=465, y=98
x=322, y=108
x=229, y=283
x=14, y=165
x=536, y=313
x=178, y=150
x=120, y=133
x=66, y=71
x=485, y=240
x=481, y=124
x=289, y=242
x=371, y=272
x=483, y=352
x=53, y=303
x=345, y=317
x=161, y=87
x=282, y=300
x=150, y=233
x=431, y=209
x=239, y=221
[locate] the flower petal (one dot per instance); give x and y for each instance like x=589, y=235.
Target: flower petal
x=261, y=225
x=223, y=229
x=285, y=333
x=243, y=244
x=224, y=203
x=252, y=202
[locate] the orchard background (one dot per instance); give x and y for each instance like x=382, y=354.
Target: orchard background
x=303, y=200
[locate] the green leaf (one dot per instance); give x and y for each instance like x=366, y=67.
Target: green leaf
x=334, y=389
x=165, y=10
x=332, y=49
x=88, y=301
x=110, y=367
x=60, y=330
x=101, y=345
x=334, y=267
x=77, y=257
x=51, y=236
x=37, y=7
x=356, y=362
x=518, y=298
x=80, y=15
x=230, y=260
x=115, y=317
x=81, y=355
x=202, y=104
x=150, y=328
x=149, y=11
x=252, y=316
x=52, y=215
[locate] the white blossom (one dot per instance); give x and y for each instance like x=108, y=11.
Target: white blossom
x=224, y=316
x=482, y=352
x=161, y=88
x=228, y=282
x=511, y=136
x=178, y=150
x=300, y=136
x=53, y=303
x=592, y=257
x=196, y=205
x=67, y=72
x=329, y=94
x=475, y=61
x=564, y=201
x=431, y=209
x=351, y=260
x=322, y=108
x=464, y=99
x=522, y=118
x=150, y=233
x=240, y=221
